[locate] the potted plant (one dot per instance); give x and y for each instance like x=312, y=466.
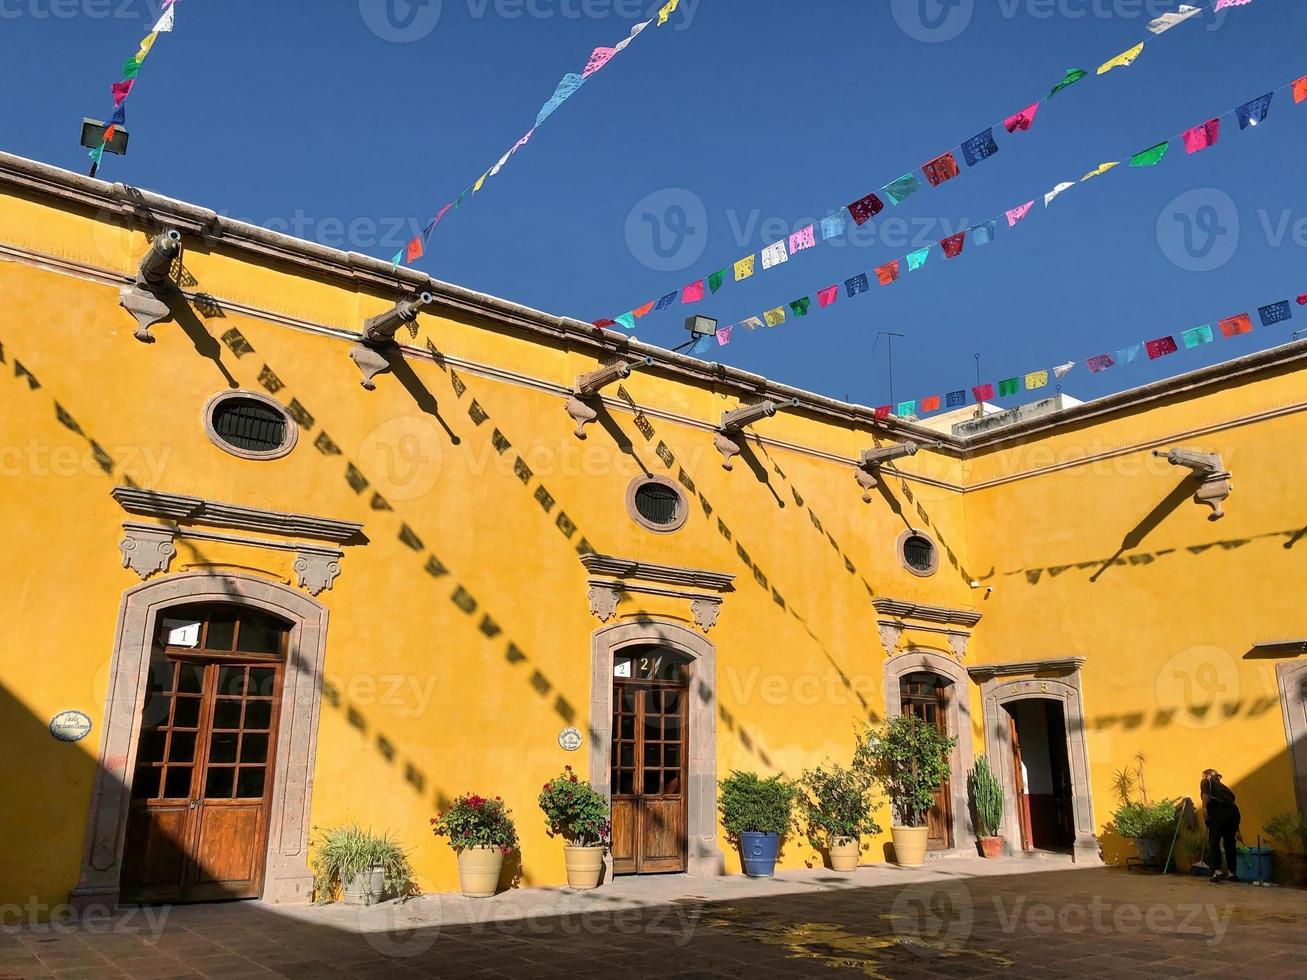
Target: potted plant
x=359, y=866
x=481, y=832
x=910, y=757
x=987, y=800
x=578, y=813
x=836, y=804
x=755, y=812
x=1150, y=826
x=1289, y=830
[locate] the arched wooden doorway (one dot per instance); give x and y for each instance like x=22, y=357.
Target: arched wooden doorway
x=202, y=783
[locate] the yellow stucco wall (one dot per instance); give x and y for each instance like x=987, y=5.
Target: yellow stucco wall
x=425, y=700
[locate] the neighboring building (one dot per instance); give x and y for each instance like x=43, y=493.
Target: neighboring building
x=283, y=601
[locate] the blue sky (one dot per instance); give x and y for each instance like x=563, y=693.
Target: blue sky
x=352, y=121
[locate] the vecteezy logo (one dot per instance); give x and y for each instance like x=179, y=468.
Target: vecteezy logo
x=933, y=21
x=1199, y=687
x=667, y=231
x=400, y=21
x=403, y=457
x=933, y=918
x=1199, y=230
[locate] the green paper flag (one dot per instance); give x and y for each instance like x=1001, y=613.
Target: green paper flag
x=906, y=409
x=1073, y=75
x=97, y=154
x=1150, y=157
x=918, y=258
x=800, y=306
x=1011, y=386
x=131, y=68
x=716, y=279
x=1197, y=337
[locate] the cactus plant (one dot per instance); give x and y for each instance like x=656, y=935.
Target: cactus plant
x=986, y=797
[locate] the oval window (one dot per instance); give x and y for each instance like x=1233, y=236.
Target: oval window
x=918, y=553
x=249, y=425
x=657, y=504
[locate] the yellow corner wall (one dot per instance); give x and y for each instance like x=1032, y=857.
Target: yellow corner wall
x=461, y=681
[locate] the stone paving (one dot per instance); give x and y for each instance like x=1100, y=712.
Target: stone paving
x=955, y=918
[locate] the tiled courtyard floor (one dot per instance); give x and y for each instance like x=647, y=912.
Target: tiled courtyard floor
x=956, y=918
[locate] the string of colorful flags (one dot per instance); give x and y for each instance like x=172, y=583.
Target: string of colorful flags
x=1191, y=339
x=131, y=69
x=935, y=172
x=569, y=85
x=1195, y=139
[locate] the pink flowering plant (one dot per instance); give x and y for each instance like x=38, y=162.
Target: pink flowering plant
x=475, y=821
x=575, y=811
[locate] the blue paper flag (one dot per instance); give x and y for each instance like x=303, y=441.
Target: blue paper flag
x=980, y=147
x=1275, y=313
x=703, y=346
x=858, y=284
x=955, y=399
x=566, y=89
x=1251, y=113
x=984, y=234
x=119, y=117
x=666, y=301
x=1127, y=355
x=834, y=225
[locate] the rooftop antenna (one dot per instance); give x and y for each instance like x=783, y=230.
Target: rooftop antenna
x=891, y=336
x=980, y=406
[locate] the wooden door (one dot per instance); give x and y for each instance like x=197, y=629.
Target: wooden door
x=1063, y=792
x=925, y=696
x=1019, y=778
x=648, y=767
x=197, y=825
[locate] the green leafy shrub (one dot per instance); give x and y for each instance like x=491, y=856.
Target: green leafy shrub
x=750, y=804
x=1147, y=821
x=986, y=797
x=910, y=759
x=837, y=802
x=474, y=821
x=575, y=811
x=1289, y=830
x=341, y=854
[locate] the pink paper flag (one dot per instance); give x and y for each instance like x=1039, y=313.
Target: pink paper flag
x=693, y=292
x=1023, y=120
x=828, y=296
x=801, y=239
x=724, y=336
x=1201, y=137
x=599, y=58
x=121, y=90
x=1222, y=4
x=1016, y=214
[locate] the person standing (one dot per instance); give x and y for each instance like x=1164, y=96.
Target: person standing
x=1221, y=814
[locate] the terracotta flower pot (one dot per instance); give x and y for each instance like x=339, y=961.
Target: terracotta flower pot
x=844, y=853
x=991, y=847
x=909, y=845
x=585, y=865
x=478, y=871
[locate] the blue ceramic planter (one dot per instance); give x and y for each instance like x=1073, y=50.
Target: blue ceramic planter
x=758, y=853
x=1254, y=863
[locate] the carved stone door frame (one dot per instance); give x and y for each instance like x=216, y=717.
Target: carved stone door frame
x=287, y=876
x=957, y=715
x=1292, y=679
x=703, y=856
x=1050, y=680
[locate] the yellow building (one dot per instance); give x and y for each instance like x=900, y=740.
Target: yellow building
x=247, y=596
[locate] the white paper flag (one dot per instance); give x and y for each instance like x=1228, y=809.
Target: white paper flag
x=165, y=22
x=635, y=32
x=1048, y=198
x=1062, y=370
x=1164, y=23
x=774, y=255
